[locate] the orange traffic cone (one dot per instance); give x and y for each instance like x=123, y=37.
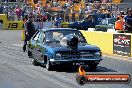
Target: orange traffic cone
x=23, y=35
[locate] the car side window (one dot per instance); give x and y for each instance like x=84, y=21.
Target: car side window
x=41, y=37
x=36, y=36
x=90, y=18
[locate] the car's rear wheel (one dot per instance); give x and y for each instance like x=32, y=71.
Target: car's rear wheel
x=35, y=63
x=49, y=67
x=92, y=67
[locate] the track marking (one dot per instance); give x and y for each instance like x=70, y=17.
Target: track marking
x=118, y=57
x=18, y=45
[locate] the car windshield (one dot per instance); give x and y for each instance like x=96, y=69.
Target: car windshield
x=104, y=22
x=108, y=21
x=112, y=21
x=89, y=18
x=57, y=35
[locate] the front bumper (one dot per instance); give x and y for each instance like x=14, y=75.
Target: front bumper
x=75, y=61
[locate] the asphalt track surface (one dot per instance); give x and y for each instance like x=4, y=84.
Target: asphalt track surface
x=17, y=71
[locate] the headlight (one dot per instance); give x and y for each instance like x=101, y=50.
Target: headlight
x=58, y=56
x=99, y=53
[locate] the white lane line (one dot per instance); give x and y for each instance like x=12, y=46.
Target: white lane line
x=18, y=45
x=119, y=57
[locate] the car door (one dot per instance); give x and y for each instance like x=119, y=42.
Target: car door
x=40, y=47
x=34, y=44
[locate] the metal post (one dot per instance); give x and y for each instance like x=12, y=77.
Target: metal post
x=7, y=8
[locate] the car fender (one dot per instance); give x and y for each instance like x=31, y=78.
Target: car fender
x=49, y=52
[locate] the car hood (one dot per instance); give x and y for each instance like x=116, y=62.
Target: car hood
x=81, y=47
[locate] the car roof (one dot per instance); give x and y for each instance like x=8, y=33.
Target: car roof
x=57, y=29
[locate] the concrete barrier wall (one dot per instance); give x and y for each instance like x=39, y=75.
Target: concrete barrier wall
x=18, y=25
x=104, y=40
x=14, y=25
x=3, y=17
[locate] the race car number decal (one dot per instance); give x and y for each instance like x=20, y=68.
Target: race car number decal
x=13, y=25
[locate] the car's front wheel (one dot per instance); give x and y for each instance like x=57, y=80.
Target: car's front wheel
x=49, y=66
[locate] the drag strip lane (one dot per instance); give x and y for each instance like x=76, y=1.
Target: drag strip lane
x=17, y=71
